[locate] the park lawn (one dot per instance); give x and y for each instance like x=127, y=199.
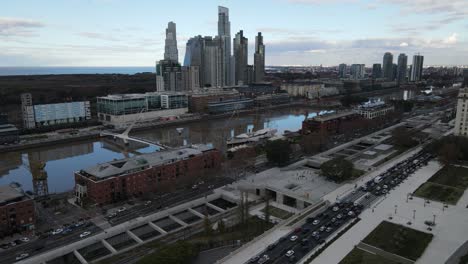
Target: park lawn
x=279, y=213
x=453, y=176
x=399, y=240
x=439, y=192
x=358, y=256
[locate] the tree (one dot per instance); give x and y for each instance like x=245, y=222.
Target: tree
x=221, y=226
x=207, y=226
x=337, y=169
x=278, y=152
x=448, y=153
x=267, y=209
x=403, y=138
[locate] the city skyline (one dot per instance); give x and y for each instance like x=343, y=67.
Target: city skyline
x=117, y=33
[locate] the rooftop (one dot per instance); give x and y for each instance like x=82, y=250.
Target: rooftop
x=9, y=193
x=335, y=115
x=142, y=162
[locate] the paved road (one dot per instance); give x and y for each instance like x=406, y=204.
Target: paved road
x=355, y=201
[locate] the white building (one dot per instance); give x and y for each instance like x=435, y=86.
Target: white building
x=461, y=120
x=309, y=90
x=374, y=109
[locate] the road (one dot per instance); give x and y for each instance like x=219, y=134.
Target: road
x=361, y=197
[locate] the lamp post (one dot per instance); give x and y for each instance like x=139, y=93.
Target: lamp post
x=396, y=206
x=414, y=214
x=433, y=220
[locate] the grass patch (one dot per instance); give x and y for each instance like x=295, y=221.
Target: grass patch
x=358, y=256
x=399, y=240
x=389, y=157
x=438, y=192
x=463, y=259
x=279, y=213
x=452, y=176
x=178, y=253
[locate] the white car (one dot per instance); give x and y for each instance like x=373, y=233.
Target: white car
x=350, y=213
x=316, y=222
x=293, y=238
x=339, y=216
x=85, y=234
x=24, y=239
x=121, y=209
x=289, y=253
x=57, y=231
x=335, y=208
x=147, y=202
x=322, y=228
x=22, y=256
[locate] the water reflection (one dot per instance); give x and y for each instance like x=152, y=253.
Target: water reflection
x=50, y=169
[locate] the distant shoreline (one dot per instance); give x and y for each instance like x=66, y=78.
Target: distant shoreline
x=65, y=70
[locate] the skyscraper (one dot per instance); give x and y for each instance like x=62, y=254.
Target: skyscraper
x=169, y=76
x=213, y=62
x=342, y=70
x=388, y=66
x=224, y=34
x=402, y=68
x=240, y=55
x=357, y=71
x=170, y=49
x=194, y=55
x=416, y=68
x=376, y=71
x=259, y=58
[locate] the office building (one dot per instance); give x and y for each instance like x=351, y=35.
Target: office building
x=357, y=71
x=342, y=70
x=119, y=180
x=376, y=71
x=198, y=100
x=230, y=105
x=249, y=74
x=259, y=58
x=224, y=35
x=461, y=119
x=120, y=110
x=17, y=213
x=241, y=55
x=402, y=68
x=213, y=62
x=169, y=76
x=194, y=56
x=416, y=68
x=190, y=77
x=387, y=66
x=27, y=110
x=395, y=71
x=170, y=48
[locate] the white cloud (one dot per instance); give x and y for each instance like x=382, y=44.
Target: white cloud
x=18, y=26
x=452, y=39
x=404, y=44
x=316, y=51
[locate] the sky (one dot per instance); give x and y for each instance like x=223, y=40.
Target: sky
x=296, y=32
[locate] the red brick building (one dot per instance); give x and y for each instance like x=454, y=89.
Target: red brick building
x=330, y=124
x=198, y=102
x=159, y=171
x=17, y=213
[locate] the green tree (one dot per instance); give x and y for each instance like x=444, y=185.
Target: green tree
x=337, y=169
x=278, y=152
x=403, y=138
x=207, y=226
x=267, y=209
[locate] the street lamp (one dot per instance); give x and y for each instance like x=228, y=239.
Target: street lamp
x=414, y=214
x=433, y=220
x=396, y=206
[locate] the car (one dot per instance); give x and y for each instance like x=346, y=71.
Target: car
x=194, y=187
x=328, y=229
x=289, y=253
x=5, y=246
x=272, y=246
x=254, y=259
x=339, y=216
x=12, y=243
x=351, y=213
x=57, y=231
x=85, y=234
x=263, y=259
x=201, y=182
x=293, y=238
x=304, y=241
x=333, y=220
x=378, y=188
x=367, y=195
x=315, y=233
x=322, y=228
x=316, y=222
x=211, y=186
x=385, y=187
x=22, y=256
x=354, y=191
x=121, y=209
x=111, y=215
x=147, y=203
x=335, y=208
x=67, y=230
x=384, y=191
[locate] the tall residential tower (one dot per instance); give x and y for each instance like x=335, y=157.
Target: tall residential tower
x=224, y=34
x=170, y=49
x=417, y=67
x=388, y=66
x=240, y=55
x=259, y=58
x=402, y=68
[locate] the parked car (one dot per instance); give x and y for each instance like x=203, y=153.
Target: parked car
x=289, y=253
x=85, y=234
x=57, y=231
x=293, y=238
x=316, y=222
x=121, y=209
x=22, y=256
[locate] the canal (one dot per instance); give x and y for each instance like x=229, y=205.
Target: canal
x=51, y=168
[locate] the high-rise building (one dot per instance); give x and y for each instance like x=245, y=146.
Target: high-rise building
x=342, y=70
x=395, y=71
x=27, y=111
x=388, y=66
x=169, y=76
x=241, y=54
x=194, y=55
x=249, y=74
x=259, y=58
x=213, y=62
x=461, y=120
x=224, y=34
x=416, y=68
x=376, y=71
x=190, y=78
x=170, y=49
x=402, y=68
x=357, y=71
x=465, y=77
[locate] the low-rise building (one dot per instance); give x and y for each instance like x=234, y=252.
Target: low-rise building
x=17, y=213
x=332, y=123
x=309, y=89
x=199, y=99
x=120, y=110
x=272, y=99
x=8, y=134
x=230, y=105
x=374, y=109
x=121, y=179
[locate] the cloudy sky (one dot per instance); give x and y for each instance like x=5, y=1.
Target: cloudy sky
x=296, y=32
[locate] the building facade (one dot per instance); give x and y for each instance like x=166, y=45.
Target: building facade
x=402, y=68
x=461, y=119
x=259, y=58
x=198, y=101
x=169, y=76
x=342, y=70
x=170, y=48
x=417, y=68
x=376, y=71
x=387, y=66
x=121, y=179
x=241, y=57
x=358, y=71
x=17, y=213
x=330, y=124
x=372, y=110
x=224, y=35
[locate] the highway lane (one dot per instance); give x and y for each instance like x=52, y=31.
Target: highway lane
x=362, y=197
